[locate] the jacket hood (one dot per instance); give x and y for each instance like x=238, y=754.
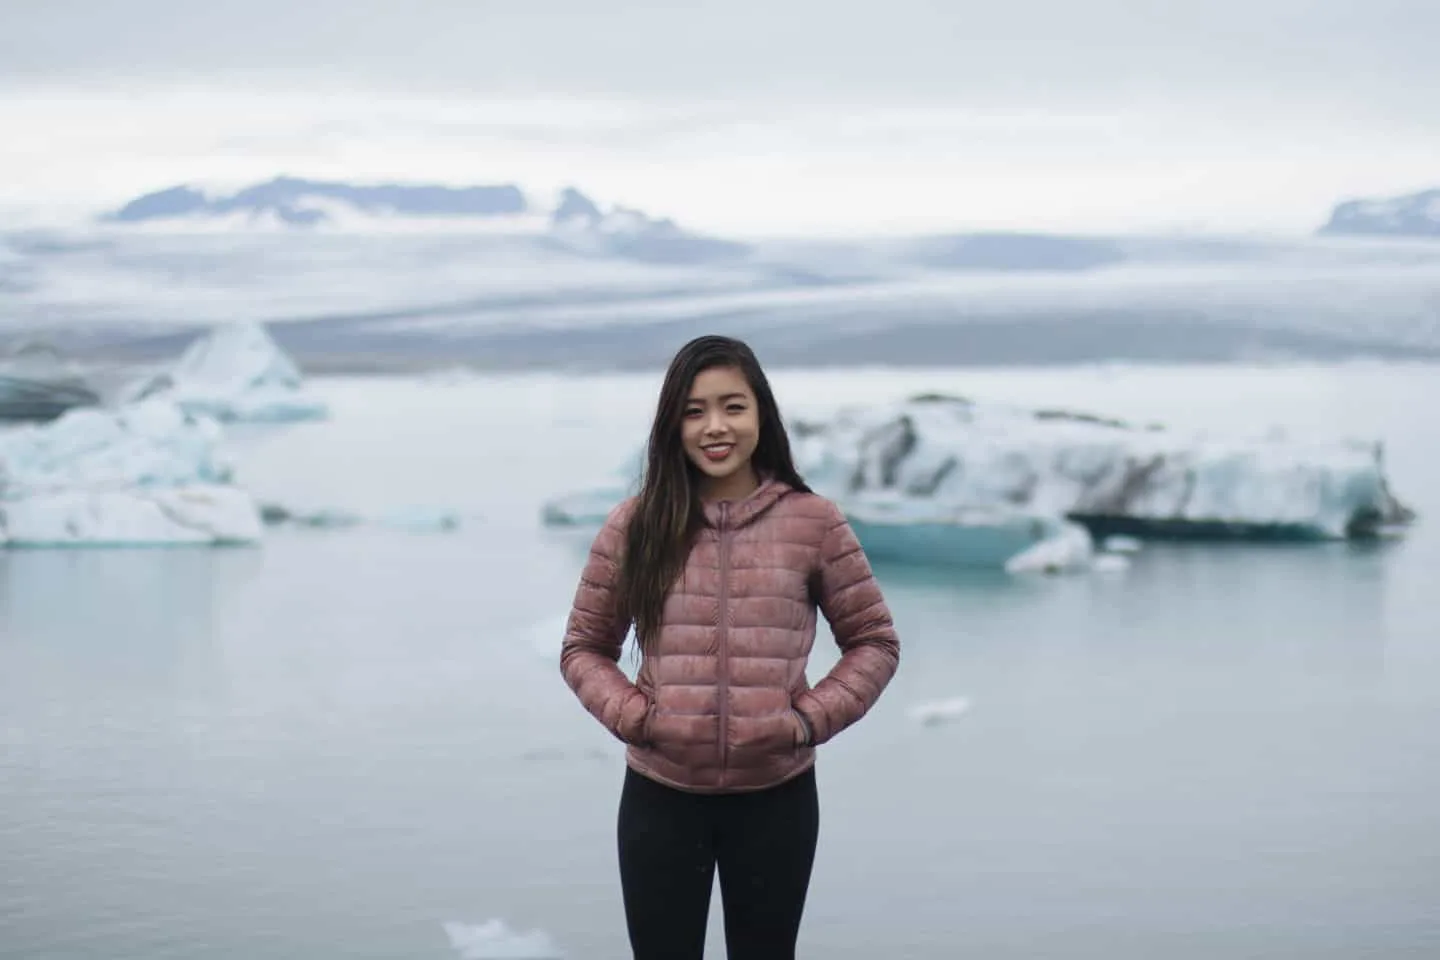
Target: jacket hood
x=738, y=513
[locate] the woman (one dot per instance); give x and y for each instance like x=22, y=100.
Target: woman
x=720, y=563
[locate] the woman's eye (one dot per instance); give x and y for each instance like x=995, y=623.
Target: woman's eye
x=736, y=408
x=692, y=412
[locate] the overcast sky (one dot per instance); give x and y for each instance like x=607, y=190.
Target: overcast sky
x=742, y=115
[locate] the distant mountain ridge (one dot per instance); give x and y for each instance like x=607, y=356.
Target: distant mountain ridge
x=288, y=199
x=573, y=221
x=1408, y=215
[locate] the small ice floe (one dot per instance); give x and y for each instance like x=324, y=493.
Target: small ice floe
x=936, y=712
x=419, y=519
x=410, y=519
x=1119, y=543
x=1069, y=549
x=494, y=940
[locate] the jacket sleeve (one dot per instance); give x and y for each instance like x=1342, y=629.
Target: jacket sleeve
x=850, y=599
x=595, y=635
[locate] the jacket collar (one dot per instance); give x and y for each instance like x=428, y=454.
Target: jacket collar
x=733, y=514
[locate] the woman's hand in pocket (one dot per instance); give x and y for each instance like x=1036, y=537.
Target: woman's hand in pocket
x=801, y=728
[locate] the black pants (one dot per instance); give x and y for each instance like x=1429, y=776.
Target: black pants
x=671, y=843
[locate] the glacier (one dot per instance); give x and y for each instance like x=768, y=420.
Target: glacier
x=947, y=481
x=237, y=372
x=145, y=474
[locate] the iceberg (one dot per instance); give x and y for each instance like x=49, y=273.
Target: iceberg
x=946, y=481
x=146, y=474
x=934, y=712
x=953, y=456
x=237, y=372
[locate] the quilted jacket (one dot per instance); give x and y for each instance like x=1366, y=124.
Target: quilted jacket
x=723, y=704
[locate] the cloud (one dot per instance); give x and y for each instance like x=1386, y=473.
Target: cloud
x=1377, y=56
x=751, y=169
x=743, y=116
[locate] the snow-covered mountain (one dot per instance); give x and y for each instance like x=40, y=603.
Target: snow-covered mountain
x=571, y=220
x=577, y=223
x=1411, y=215
x=304, y=203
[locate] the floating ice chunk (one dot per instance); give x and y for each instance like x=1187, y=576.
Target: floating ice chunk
x=1119, y=543
x=939, y=711
x=1068, y=550
x=945, y=481
x=420, y=519
x=1109, y=476
x=151, y=444
x=146, y=474
x=493, y=940
x=412, y=519
x=236, y=372
x=590, y=507
x=140, y=517
x=584, y=508
x=324, y=518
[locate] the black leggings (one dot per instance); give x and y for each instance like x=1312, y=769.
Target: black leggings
x=671, y=843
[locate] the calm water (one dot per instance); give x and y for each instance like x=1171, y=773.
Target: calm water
x=332, y=746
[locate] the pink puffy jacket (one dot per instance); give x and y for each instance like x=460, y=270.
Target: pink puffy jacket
x=723, y=703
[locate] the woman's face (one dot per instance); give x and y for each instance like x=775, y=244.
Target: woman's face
x=720, y=429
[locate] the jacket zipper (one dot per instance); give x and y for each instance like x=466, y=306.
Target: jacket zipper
x=722, y=639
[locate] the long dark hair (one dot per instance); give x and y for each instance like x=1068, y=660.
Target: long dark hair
x=668, y=512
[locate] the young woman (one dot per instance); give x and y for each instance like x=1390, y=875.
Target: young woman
x=720, y=563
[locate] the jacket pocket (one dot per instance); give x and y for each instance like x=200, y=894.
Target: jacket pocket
x=647, y=735
x=765, y=739
x=804, y=733
x=632, y=730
